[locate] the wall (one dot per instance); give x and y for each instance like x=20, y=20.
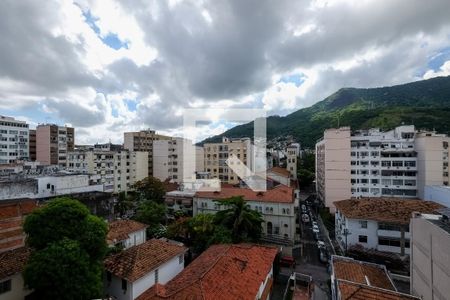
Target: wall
x=18, y=290
x=430, y=260
x=18, y=189
x=161, y=159
x=135, y=238
x=43, y=145
x=64, y=185
x=438, y=194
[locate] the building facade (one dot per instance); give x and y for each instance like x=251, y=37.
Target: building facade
x=14, y=140
x=216, y=155
x=53, y=142
x=430, y=260
x=438, y=193
x=143, y=141
x=117, y=171
x=292, y=155
x=32, y=145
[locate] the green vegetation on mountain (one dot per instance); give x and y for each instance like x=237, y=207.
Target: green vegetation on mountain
x=425, y=104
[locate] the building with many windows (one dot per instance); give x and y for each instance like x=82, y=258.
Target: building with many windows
x=53, y=142
x=116, y=170
x=373, y=163
x=378, y=223
x=14, y=140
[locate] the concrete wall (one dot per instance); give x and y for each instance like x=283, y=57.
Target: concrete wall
x=161, y=159
x=135, y=238
x=430, y=260
x=18, y=189
x=43, y=145
x=439, y=194
x=18, y=290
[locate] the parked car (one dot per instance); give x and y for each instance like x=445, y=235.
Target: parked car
x=323, y=256
x=303, y=207
x=317, y=236
x=305, y=218
x=287, y=261
x=314, y=223
x=315, y=228
x=321, y=244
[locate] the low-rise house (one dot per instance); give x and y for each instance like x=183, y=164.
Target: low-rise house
x=378, y=223
x=358, y=280
x=430, y=259
x=180, y=201
x=280, y=175
x=277, y=206
x=132, y=271
x=126, y=233
x=242, y=271
x=12, y=263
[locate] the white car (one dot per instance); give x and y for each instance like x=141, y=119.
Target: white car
x=315, y=228
x=320, y=244
x=314, y=223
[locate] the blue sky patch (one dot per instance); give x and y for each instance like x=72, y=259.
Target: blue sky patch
x=297, y=79
x=111, y=40
x=131, y=104
x=439, y=59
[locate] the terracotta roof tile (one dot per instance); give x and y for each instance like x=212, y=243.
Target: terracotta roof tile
x=354, y=291
x=280, y=171
x=133, y=263
x=221, y=272
x=280, y=194
x=361, y=272
x=120, y=230
x=394, y=210
x=13, y=261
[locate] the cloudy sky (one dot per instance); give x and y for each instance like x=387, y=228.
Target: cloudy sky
x=106, y=66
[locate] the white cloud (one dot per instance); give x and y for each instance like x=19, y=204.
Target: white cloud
x=444, y=70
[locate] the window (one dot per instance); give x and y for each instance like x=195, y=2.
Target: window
x=363, y=224
x=362, y=238
x=388, y=241
x=387, y=226
x=156, y=276
x=124, y=284
x=5, y=286
x=108, y=276
x=180, y=259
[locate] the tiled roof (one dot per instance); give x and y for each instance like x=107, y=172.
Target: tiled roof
x=137, y=261
x=354, y=291
x=280, y=171
x=221, y=272
x=119, y=230
x=361, y=272
x=280, y=194
x=393, y=210
x=13, y=261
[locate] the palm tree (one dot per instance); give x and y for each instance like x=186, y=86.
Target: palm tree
x=243, y=222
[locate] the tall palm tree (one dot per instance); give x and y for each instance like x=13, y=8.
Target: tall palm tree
x=244, y=223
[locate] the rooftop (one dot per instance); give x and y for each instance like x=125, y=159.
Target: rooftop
x=13, y=261
x=280, y=194
x=221, y=272
x=119, y=230
x=391, y=210
x=355, y=291
x=137, y=261
x=361, y=272
x=280, y=171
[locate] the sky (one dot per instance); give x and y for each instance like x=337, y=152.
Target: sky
x=109, y=66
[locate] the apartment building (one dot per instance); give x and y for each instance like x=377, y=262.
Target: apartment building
x=32, y=144
x=430, y=260
x=14, y=140
x=378, y=223
x=373, y=163
x=216, y=155
x=292, y=154
x=117, y=171
x=143, y=141
x=53, y=142
x=177, y=159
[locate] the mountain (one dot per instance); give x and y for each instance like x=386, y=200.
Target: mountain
x=425, y=104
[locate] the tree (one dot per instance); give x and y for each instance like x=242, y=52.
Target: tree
x=68, y=247
x=152, y=214
x=124, y=204
x=305, y=177
x=150, y=188
x=243, y=222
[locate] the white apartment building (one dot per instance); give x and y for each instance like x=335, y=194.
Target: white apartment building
x=117, y=171
x=216, y=155
x=430, y=259
x=14, y=140
x=174, y=161
x=378, y=223
x=292, y=154
x=277, y=206
x=372, y=163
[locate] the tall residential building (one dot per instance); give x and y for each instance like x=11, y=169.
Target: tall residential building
x=292, y=154
x=170, y=159
x=143, y=141
x=432, y=160
x=53, y=142
x=373, y=163
x=14, y=140
x=430, y=260
x=32, y=146
x=216, y=155
x=333, y=166
x=117, y=171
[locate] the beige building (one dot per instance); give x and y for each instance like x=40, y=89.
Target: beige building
x=143, y=141
x=53, y=142
x=432, y=160
x=292, y=154
x=216, y=155
x=173, y=160
x=333, y=166
x=116, y=170
x=430, y=259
